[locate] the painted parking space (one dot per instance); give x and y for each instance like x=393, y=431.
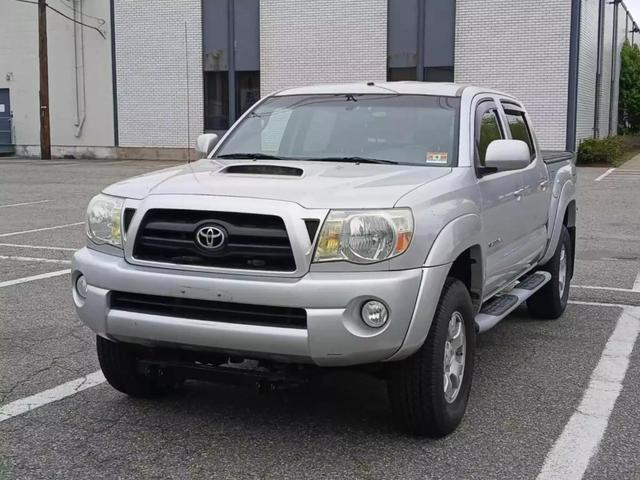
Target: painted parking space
x=531, y=377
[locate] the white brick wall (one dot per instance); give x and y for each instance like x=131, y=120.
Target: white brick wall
x=521, y=48
x=151, y=72
x=303, y=42
x=587, y=67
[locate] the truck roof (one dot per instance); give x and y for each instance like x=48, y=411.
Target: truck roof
x=406, y=88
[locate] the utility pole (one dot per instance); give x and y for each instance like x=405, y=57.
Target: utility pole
x=45, y=133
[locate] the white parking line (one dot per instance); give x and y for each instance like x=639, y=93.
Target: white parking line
x=65, y=390
x=41, y=229
x=32, y=278
x=23, y=204
x=597, y=304
x=579, y=441
x=38, y=247
x=604, y=174
x=33, y=259
x=615, y=289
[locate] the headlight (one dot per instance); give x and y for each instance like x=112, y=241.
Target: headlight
x=103, y=220
x=364, y=236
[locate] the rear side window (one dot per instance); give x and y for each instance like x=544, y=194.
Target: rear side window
x=488, y=131
x=519, y=128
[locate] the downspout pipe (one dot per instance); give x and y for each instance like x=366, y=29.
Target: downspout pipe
x=574, y=57
x=80, y=76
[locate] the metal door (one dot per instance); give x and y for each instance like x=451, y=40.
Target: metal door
x=6, y=143
x=501, y=203
x=535, y=183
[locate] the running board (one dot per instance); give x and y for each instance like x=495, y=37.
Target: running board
x=502, y=305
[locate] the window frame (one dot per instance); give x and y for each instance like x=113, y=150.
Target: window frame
x=484, y=106
x=511, y=107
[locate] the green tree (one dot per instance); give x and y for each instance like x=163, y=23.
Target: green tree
x=629, y=108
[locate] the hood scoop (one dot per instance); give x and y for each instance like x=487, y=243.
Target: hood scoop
x=261, y=169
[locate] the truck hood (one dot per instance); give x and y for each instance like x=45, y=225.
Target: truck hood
x=308, y=183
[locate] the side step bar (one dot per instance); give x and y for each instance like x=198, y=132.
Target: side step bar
x=502, y=305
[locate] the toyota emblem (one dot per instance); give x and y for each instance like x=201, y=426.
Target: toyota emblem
x=211, y=238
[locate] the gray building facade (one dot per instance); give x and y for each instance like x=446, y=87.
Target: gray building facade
x=177, y=69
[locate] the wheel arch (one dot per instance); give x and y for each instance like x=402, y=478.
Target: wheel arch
x=569, y=221
x=455, y=252
x=565, y=215
x=454, y=238
x=468, y=268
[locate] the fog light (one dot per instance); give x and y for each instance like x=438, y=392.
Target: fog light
x=81, y=286
x=374, y=313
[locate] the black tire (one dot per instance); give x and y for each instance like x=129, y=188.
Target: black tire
x=548, y=302
x=416, y=384
x=118, y=363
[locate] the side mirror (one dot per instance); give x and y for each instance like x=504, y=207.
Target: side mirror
x=205, y=143
x=507, y=155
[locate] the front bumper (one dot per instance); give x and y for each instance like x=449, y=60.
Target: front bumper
x=335, y=334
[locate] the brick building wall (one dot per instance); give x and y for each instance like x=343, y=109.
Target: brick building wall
x=521, y=48
x=321, y=41
x=151, y=73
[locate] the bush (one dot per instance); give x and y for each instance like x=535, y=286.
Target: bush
x=600, y=150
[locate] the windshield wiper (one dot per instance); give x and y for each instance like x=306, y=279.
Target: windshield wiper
x=264, y=156
x=253, y=156
x=354, y=160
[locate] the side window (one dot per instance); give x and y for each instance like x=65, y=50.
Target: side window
x=519, y=128
x=487, y=130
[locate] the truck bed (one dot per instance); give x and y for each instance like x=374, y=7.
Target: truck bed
x=553, y=156
x=555, y=159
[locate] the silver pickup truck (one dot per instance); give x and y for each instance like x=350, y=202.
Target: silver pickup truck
x=372, y=225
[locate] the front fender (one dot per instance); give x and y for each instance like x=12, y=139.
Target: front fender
x=458, y=235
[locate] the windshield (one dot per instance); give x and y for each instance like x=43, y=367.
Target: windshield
x=389, y=128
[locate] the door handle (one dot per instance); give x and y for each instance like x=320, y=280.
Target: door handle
x=518, y=193
x=544, y=184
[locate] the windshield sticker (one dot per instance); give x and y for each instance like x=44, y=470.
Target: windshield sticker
x=439, y=158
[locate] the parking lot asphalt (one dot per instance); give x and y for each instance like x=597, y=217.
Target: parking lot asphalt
x=534, y=392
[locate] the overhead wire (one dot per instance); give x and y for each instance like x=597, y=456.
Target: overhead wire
x=102, y=34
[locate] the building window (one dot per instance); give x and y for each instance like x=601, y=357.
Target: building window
x=231, y=74
x=216, y=100
x=247, y=90
x=402, y=73
x=421, y=37
x=438, y=74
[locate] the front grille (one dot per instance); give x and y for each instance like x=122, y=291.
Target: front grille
x=253, y=242
x=246, y=314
